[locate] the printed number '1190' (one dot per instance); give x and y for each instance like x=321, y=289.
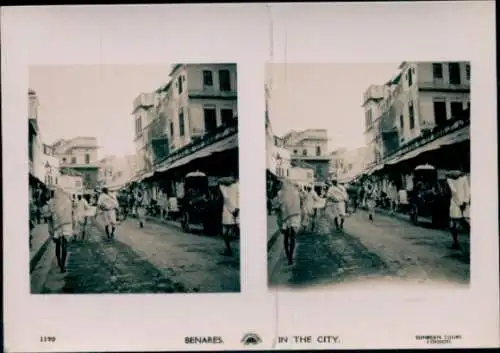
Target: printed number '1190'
x=47, y=339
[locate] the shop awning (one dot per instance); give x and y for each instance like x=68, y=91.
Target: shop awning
x=220, y=146
x=455, y=137
x=145, y=176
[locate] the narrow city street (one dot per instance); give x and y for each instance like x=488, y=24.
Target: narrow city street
x=387, y=248
x=158, y=258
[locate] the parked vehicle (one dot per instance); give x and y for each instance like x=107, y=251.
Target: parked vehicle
x=428, y=197
x=199, y=204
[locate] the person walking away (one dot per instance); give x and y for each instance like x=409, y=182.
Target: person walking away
x=140, y=207
x=336, y=198
x=371, y=199
x=459, y=203
x=311, y=201
x=392, y=193
x=82, y=207
x=62, y=207
x=108, y=205
x=289, y=201
x=230, y=212
x=304, y=216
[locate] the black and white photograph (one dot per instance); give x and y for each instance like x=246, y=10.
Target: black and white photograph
x=368, y=173
x=133, y=179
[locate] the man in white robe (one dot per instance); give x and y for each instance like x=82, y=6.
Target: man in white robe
x=459, y=204
x=336, y=201
x=62, y=213
x=230, y=212
x=290, y=216
x=108, y=205
x=81, y=210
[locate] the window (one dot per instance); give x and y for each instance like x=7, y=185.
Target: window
x=368, y=119
x=78, y=183
x=181, y=122
x=402, y=122
x=179, y=85
x=226, y=116
x=318, y=151
x=410, y=77
x=87, y=158
x=138, y=125
x=172, y=129
x=224, y=80
x=437, y=71
x=456, y=110
x=210, y=119
x=55, y=181
x=411, y=112
x=295, y=151
x=304, y=152
x=73, y=160
x=439, y=112
x=207, y=78
x=64, y=160
x=454, y=73
x=288, y=172
x=467, y=72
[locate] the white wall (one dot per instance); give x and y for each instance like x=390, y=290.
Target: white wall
x=38, y=159
x=71, y=184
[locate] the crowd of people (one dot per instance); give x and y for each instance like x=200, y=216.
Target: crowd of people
x=298, y=208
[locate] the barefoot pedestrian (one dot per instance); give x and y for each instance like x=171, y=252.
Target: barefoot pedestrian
x=62, y=207
x=229, y=188
x=459, y=203
x=108, y=204
x=289, y=201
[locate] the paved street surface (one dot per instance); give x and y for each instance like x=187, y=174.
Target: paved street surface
x=155, y=259
x=388, y=248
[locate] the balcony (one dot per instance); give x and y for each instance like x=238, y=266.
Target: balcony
x=212, y=94
x=441, y=86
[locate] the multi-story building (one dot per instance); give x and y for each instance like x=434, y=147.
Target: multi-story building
x=423, y=96
x=116, y=171
x=199, y=100
x=79, y=157
x=51, y=165
x=308, y=149
x=35, y=147
x=144, y=115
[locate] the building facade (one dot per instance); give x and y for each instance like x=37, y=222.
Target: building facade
x=198, y=100
x=423, y=96
x=308, y=149
x=301, y=176
x=72, y=184
x=346, y=164
x=51, y=167
x=116, y=171
x=79, y=157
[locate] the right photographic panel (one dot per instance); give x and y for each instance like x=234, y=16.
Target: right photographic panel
x=368, y=173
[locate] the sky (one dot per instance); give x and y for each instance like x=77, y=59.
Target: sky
x=324, y=96
x=93, y=100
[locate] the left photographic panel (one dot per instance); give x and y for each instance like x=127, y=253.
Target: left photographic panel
x=133, y=179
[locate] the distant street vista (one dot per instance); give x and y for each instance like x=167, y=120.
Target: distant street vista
x=164, y=219
x=395, y=208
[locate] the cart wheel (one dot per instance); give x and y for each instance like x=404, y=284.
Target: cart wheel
x=185, y=222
